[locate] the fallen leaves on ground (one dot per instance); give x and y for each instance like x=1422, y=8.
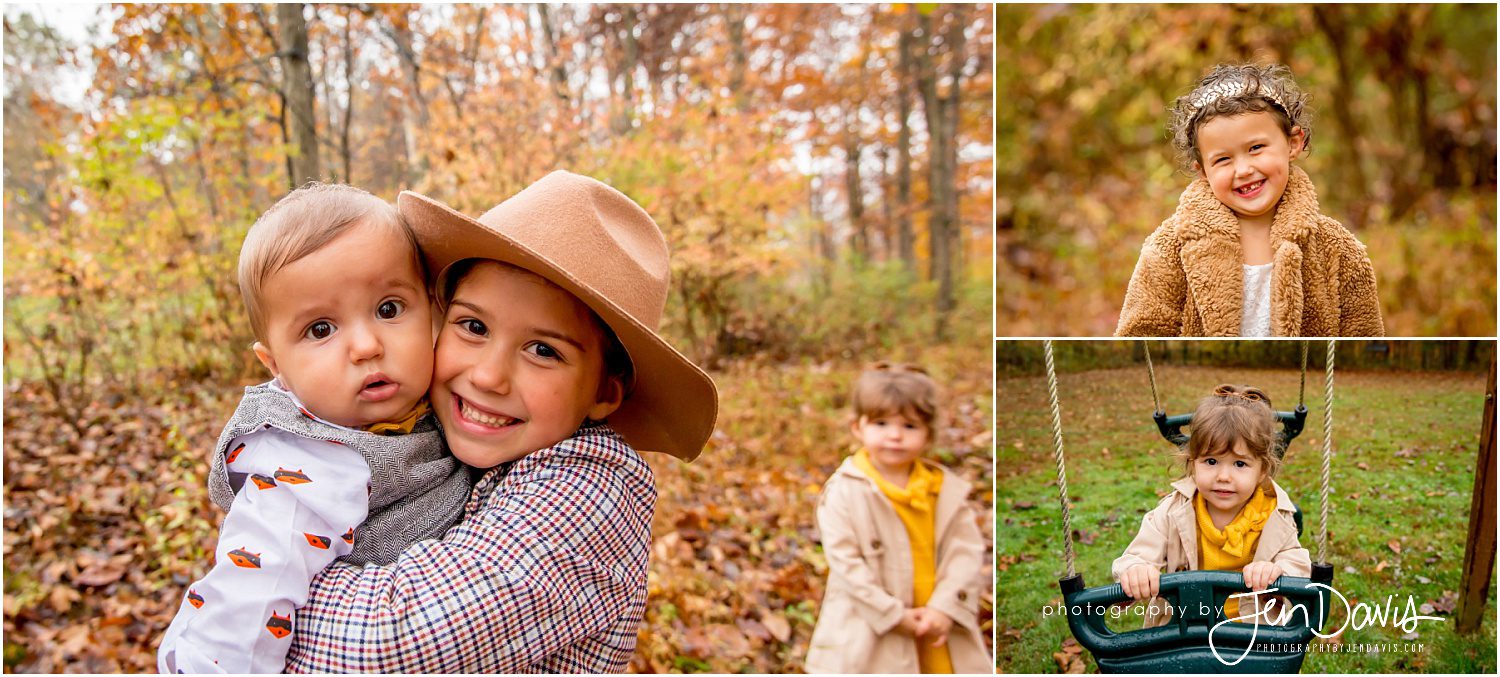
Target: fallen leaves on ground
x=1070, y=658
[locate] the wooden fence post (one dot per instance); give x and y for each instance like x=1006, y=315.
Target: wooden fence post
x=1479, y=556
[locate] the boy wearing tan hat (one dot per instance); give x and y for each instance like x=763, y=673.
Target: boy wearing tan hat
x=549, y=375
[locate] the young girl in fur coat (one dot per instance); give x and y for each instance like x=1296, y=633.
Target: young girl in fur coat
x=1247, y=253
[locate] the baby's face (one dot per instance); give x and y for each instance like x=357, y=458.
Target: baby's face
x=349, y=330
x=1247, y=159
x=518, y=368
x=1228, y=478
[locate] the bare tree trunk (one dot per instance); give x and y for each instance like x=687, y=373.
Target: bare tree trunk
x=625, y=113
x=414, y=115
x=739, y=59
x=297, y=82
x=905, y=240
x=854, y=190
x=887, y=246
x=940, y=180
x=955, y=43
x=344, y=152
x=1330, y=21
x=554, y=60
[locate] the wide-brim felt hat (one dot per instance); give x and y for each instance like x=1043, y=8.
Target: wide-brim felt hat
x=600, y=246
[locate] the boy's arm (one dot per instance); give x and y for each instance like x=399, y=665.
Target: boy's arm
x=557, y=553
x=286, y=523
x=1360, y=311
x=1158, y=290
x=962, y=549
x=846, y=561
x=1149, y=546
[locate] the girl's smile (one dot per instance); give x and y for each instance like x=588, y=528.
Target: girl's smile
x=1251, y=190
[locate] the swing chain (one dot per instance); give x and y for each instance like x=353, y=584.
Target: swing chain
x=1062, y=473
x=1151, y=371
x=1327, y=453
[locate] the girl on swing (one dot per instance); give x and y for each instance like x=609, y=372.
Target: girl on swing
x=1225, y=514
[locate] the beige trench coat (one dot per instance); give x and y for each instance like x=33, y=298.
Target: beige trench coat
x=870, y=578
x=1168, y=540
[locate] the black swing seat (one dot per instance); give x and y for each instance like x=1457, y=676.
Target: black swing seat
x=1181, y=645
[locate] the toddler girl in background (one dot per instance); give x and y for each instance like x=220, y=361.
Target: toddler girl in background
x=1226, y=514
x=904, y=552
x=1247, y=253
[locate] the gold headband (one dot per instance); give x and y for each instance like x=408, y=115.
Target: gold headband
x=1232, y=88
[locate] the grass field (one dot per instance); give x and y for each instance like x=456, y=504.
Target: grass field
x=1403, y=474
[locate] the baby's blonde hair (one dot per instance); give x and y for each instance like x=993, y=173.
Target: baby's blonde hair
x=887, y=389
x=1233, y=414
x=301, y=223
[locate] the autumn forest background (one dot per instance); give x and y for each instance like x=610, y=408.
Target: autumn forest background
x=822, y=172
x=1402, y=148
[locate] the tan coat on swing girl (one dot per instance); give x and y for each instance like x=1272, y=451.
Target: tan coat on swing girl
x=1168, y=540
x=1189, y=280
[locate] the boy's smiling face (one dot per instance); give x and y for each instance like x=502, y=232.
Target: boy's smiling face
x=348, y=327
x=1247, y=160
x=519, y=366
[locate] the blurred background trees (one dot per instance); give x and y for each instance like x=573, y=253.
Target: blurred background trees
x=810, y=165
x=1403, y=148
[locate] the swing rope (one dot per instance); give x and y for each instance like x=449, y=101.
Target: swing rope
x=1062, y=472
x=1327, y=452
x=1302, y=389
x=1151, y=371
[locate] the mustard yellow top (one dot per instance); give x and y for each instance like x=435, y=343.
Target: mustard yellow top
x=916, y=505
x=1234, y=547
x=404, y=424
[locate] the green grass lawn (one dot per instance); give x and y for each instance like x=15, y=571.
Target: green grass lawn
x=1403, y=471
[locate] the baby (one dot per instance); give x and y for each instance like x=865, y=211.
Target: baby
x=338, y=456
x=1227, y=513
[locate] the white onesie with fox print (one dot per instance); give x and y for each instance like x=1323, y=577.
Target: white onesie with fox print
x=296, y=512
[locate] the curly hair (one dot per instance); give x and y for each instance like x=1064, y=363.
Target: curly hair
x=1231, y=90
x=1233, y=414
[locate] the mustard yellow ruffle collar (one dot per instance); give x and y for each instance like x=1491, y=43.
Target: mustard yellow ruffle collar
x=1235, y=539
x=922, y=485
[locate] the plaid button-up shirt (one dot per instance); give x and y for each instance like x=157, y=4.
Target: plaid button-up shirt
x=546, y=573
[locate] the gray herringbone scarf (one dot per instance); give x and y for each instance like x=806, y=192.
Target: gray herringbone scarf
x=417, y=488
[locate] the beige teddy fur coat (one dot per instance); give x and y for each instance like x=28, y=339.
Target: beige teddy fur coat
x=1190, y=278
